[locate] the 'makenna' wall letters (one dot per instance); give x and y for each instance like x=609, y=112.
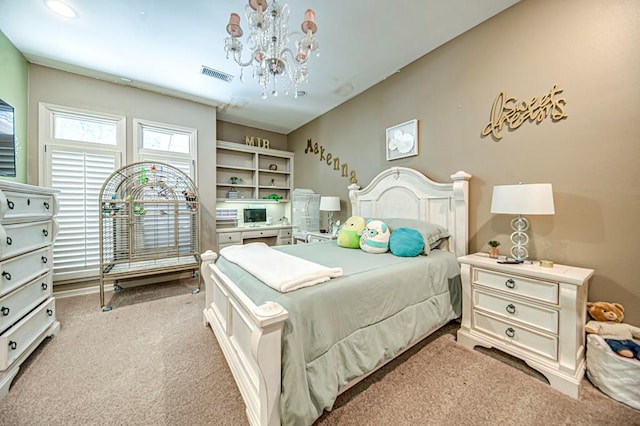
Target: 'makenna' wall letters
x=329, y=159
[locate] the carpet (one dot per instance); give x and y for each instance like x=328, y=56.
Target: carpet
x=150, y=361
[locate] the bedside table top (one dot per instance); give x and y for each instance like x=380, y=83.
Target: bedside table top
x=564, y=273
x=324, y=235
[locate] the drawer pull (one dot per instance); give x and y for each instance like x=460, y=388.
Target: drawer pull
x=44, y=259
x=28, y=201
x=510, y=332
x=510, y=283
x=511, y=308
x=44, y=286
x=10, y=204
x=9, y=241
x=6, y=275
x=45, y=232
x=50, y=312
x=5, y=311
x=46, y=205
x=13, y=345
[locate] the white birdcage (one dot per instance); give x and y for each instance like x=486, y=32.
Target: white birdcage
x=305, y=212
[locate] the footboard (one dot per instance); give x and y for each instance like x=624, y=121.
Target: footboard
x=250, y=337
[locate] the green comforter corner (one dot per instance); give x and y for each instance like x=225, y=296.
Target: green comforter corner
x=344, y=328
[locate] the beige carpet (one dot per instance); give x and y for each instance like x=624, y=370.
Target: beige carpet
x=150, y=361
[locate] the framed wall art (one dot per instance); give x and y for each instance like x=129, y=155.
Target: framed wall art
x=402, y=140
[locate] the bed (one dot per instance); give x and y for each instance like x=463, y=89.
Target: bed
x=293, y=353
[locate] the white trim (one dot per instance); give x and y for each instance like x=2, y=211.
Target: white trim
x=146, y=154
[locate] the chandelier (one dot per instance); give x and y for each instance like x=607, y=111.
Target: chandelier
x=272, y=60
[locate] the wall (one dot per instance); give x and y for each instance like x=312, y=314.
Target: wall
x=14, y=87
x=232, y=132
x=67, y=89
x=591, y=49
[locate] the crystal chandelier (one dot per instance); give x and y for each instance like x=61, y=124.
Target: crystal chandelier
x=272, y=60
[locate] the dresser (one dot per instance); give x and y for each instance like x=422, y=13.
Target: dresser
x=27, y=306
x=534, y=313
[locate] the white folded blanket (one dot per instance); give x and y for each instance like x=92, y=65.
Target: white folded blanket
x=281, y=271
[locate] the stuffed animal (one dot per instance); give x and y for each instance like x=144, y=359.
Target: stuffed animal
x=349, y=235
x=375, y=237
x=607, y=323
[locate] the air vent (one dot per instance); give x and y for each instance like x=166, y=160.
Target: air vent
x=210, y=72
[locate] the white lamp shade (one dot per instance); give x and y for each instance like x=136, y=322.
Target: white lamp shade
x=535, y=198
x=330, y=204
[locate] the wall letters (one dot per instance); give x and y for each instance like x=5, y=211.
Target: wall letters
x=255, y=141
x=329, y=159
x=514, y=113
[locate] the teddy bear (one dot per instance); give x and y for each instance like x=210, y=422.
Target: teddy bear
x=607, y=323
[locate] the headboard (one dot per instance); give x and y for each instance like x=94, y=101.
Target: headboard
x=406, y=193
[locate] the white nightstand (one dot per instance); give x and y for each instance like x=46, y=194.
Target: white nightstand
x=314, y=237
x=536, y=314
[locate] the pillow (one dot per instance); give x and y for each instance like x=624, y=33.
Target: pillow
x=375, y=237
x=431, y=232
x=406, y=242
x=349, y=235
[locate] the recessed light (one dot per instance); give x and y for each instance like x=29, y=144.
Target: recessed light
x=300, y=93
x=61, y=8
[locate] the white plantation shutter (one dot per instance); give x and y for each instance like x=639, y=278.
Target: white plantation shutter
x=79, y=150
x=79, y=175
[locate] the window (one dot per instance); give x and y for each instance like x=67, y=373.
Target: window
x=167, y=143
x=79, y=150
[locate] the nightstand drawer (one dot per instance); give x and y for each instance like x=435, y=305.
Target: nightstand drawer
x=528, y=287
x=511, y=334
x=229, y=237
x=532, y=315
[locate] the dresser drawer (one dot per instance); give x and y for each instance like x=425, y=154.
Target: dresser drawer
x=528, y=287
x=229, y=237
x=21, y=269
x=538, y=343
x=22, y=206
x=260, y=234
x=18, y=303
x=18, y=338
x=513, y=309
x=20, y=238
x=284, y=233
x=285, y=242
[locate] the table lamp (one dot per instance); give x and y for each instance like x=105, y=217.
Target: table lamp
x=330, y=204
x=535, y=198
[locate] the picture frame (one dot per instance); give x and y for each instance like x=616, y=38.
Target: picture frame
x=402, y=140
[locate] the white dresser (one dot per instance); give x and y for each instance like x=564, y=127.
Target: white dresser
x=534, y=313
x=27, y=306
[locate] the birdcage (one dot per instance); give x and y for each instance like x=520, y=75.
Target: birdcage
x=149, y=220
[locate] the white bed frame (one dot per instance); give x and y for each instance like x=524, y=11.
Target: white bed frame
x=250, y=335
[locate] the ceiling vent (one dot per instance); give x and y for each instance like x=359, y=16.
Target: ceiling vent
x=210, y=72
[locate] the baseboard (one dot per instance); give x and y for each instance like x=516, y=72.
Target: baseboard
x=81, y=291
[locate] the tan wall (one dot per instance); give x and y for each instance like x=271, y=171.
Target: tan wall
x=232, y=132
x=591, y=49
x=62, y=88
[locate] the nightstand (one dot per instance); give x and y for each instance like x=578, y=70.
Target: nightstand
x=534, y=313
x=314, y=237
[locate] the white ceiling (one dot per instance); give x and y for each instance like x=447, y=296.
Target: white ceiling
x=161, y=45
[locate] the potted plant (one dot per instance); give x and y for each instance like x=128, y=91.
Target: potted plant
x=493, y=251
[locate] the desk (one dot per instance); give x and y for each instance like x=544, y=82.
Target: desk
x=270, y=235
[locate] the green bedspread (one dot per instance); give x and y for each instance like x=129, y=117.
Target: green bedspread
x=342, y=329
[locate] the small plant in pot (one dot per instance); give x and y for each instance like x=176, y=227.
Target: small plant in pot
x=493, y=251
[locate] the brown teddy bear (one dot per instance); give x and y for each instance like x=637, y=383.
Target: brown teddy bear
x=608, y=325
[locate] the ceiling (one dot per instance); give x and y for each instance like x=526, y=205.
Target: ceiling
x=161, y=45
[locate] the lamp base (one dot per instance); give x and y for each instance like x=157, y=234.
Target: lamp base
x=519, y=238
